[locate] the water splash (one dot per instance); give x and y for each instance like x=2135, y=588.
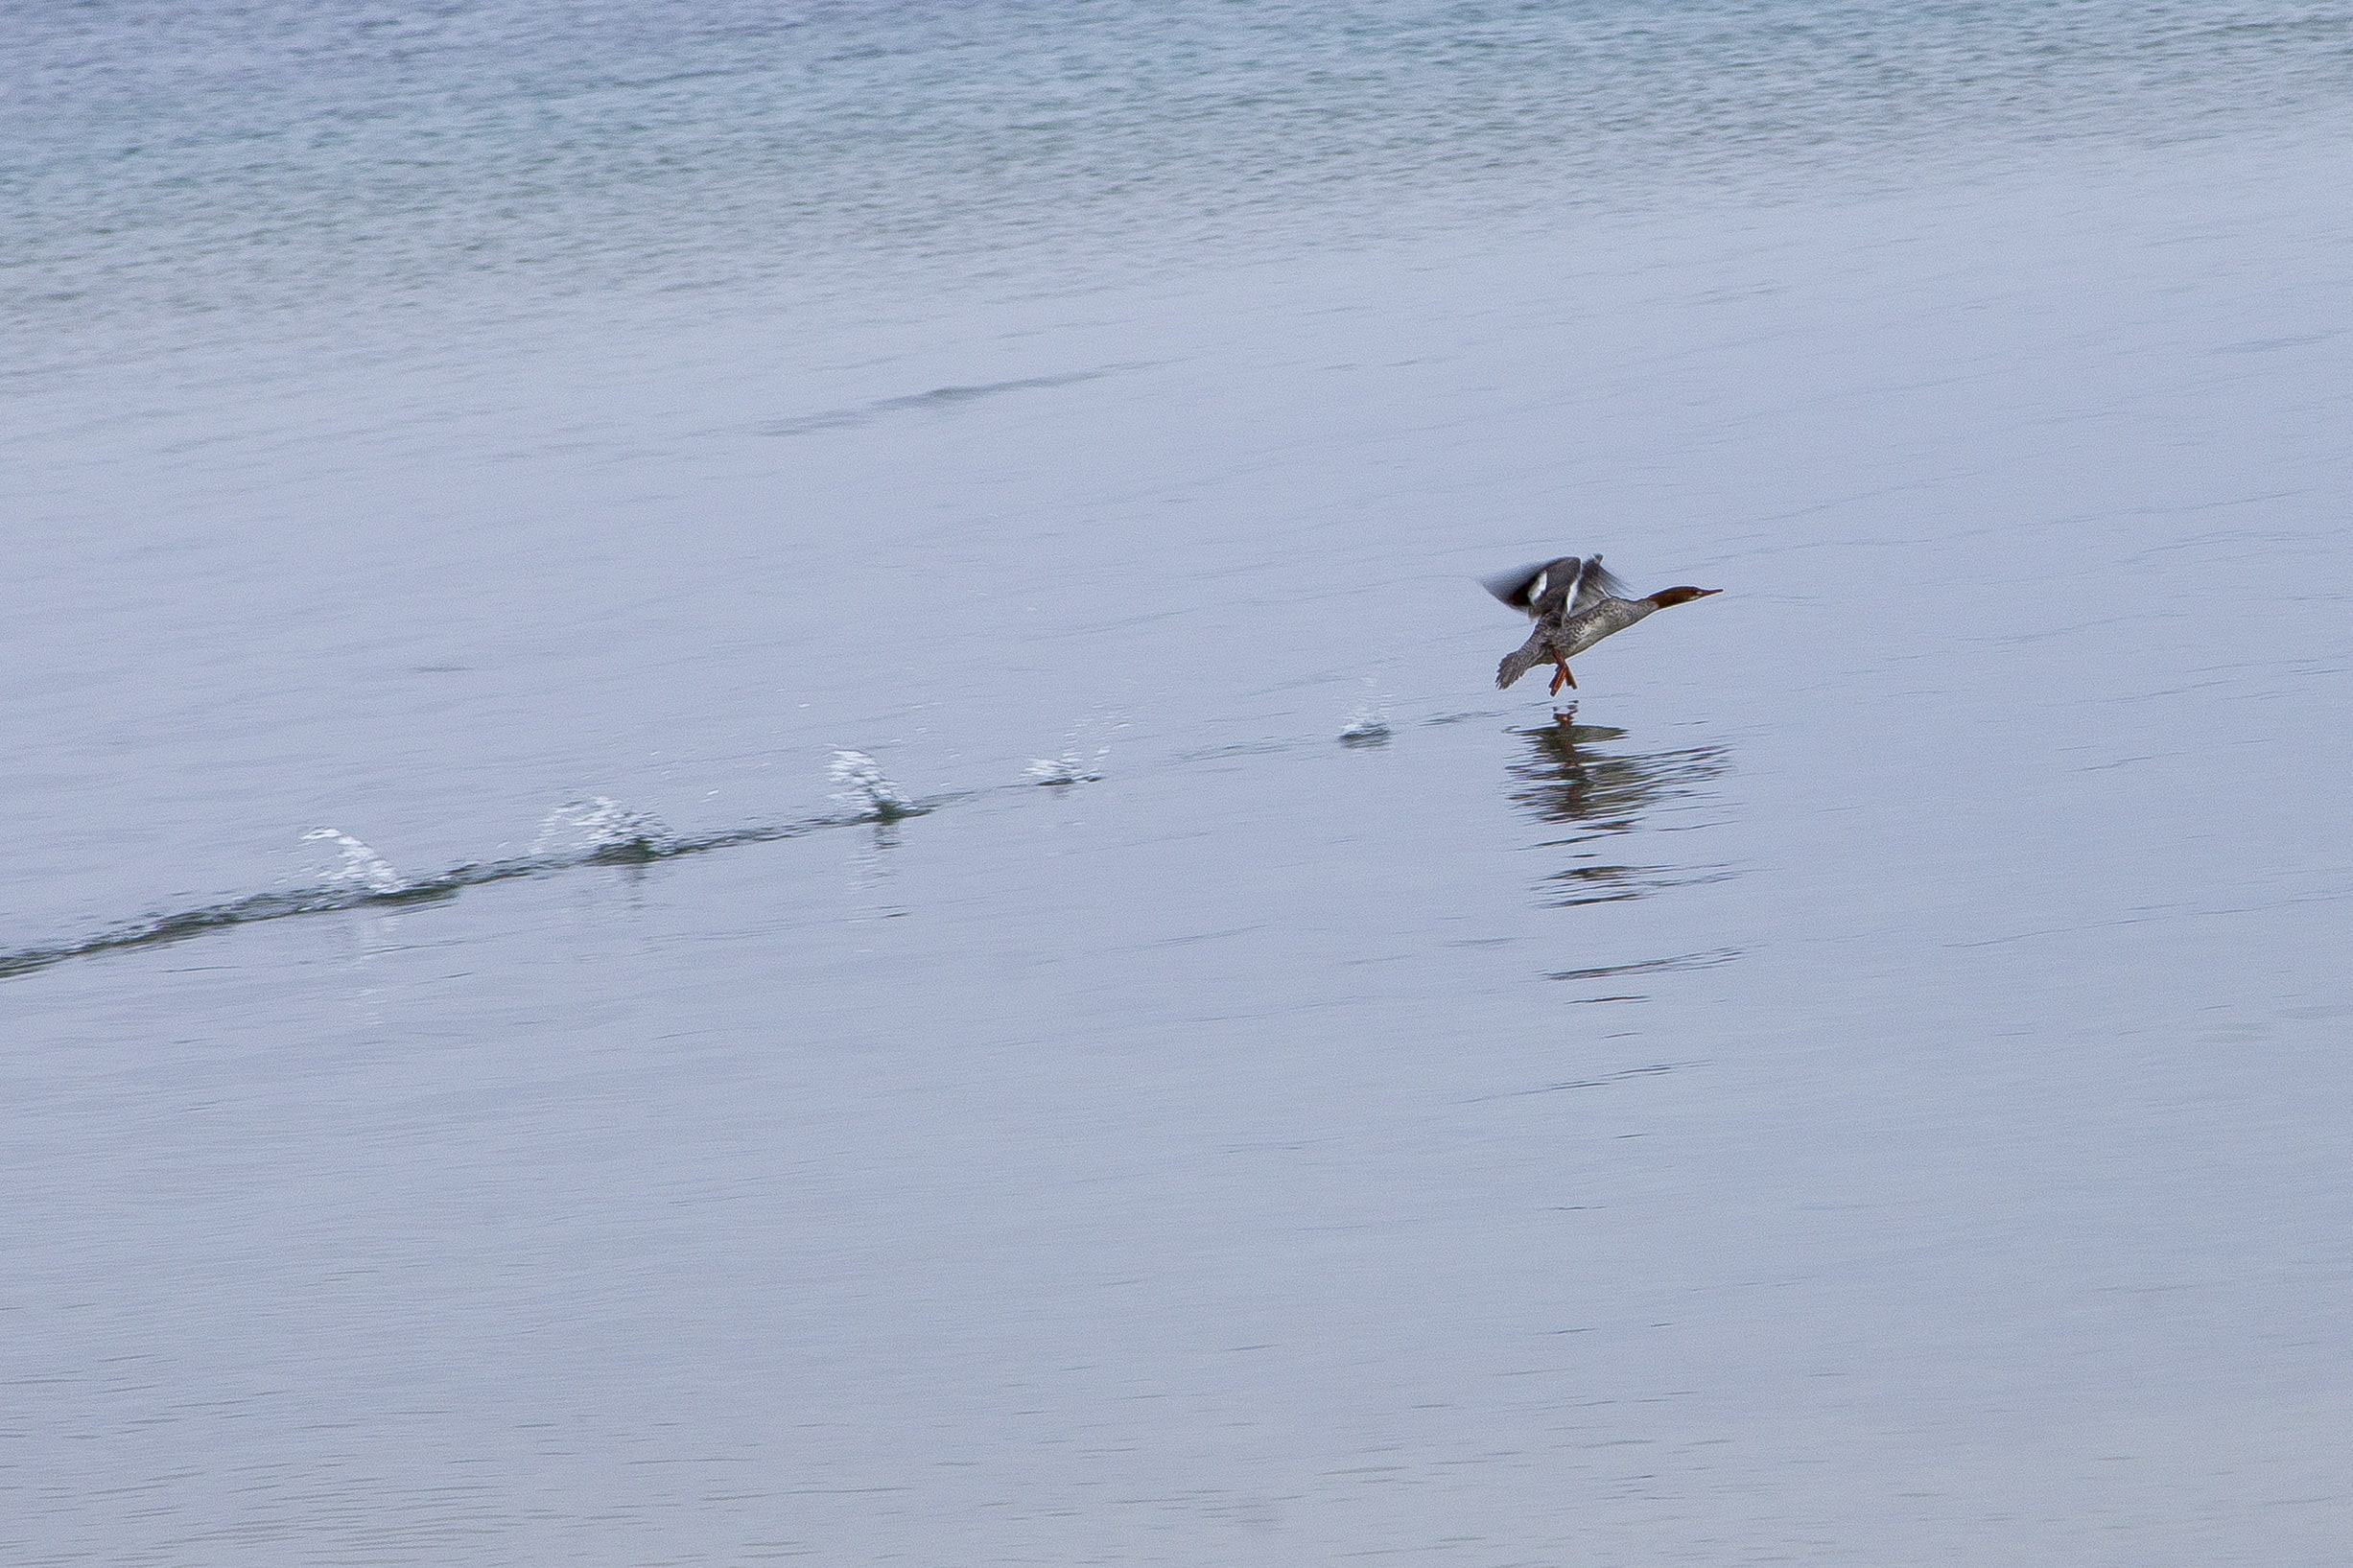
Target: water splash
x=590, y=831
x=600, y=827
x=864, y=789
x=586, y=832
x=1070, y=768
x=1369, y=724
x=356, y=866
x=1076, y=765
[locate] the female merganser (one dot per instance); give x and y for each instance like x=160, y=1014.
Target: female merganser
x=1575, y=604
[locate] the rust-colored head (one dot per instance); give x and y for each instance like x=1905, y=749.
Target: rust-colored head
x=1680, y=596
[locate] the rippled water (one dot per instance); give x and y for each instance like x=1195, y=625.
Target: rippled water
x=176, y=171
x=755, y=808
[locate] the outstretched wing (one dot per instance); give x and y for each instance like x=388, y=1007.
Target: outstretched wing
x=1547, y=587
x=1521, y=586
x=1594, y=584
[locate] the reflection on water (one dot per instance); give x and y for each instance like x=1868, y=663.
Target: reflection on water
x=1567, y=777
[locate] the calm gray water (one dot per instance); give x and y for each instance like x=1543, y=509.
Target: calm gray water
x=550, y=1017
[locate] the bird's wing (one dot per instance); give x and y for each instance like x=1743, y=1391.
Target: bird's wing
x=1577, y=584
x=1594, y=583
x=1520, y=587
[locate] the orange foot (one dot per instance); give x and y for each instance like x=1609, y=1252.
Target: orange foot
x=1562, y=677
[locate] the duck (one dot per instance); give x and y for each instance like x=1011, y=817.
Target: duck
x=1575, y=602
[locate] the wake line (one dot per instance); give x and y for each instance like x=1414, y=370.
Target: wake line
x=644, y=849
x=601, y=832
x=938, y=397
x=608, y=834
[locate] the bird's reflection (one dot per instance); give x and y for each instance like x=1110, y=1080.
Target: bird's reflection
x=1580, y=777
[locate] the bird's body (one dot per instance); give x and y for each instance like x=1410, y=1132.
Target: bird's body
x=1559, y=639
x=1575, y=604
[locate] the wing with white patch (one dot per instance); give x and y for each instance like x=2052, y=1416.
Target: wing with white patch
x=1521, y=586
x=1562, y=583
x=1594, y=583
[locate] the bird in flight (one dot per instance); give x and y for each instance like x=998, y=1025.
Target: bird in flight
x=1576, y=603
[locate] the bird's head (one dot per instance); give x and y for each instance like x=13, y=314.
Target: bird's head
x=1680, y=596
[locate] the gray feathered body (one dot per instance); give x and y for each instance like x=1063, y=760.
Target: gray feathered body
x=1568, y=635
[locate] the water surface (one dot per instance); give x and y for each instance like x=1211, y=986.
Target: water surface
x=489, y=1081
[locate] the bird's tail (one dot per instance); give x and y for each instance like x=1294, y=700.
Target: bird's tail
x=1518, y=663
